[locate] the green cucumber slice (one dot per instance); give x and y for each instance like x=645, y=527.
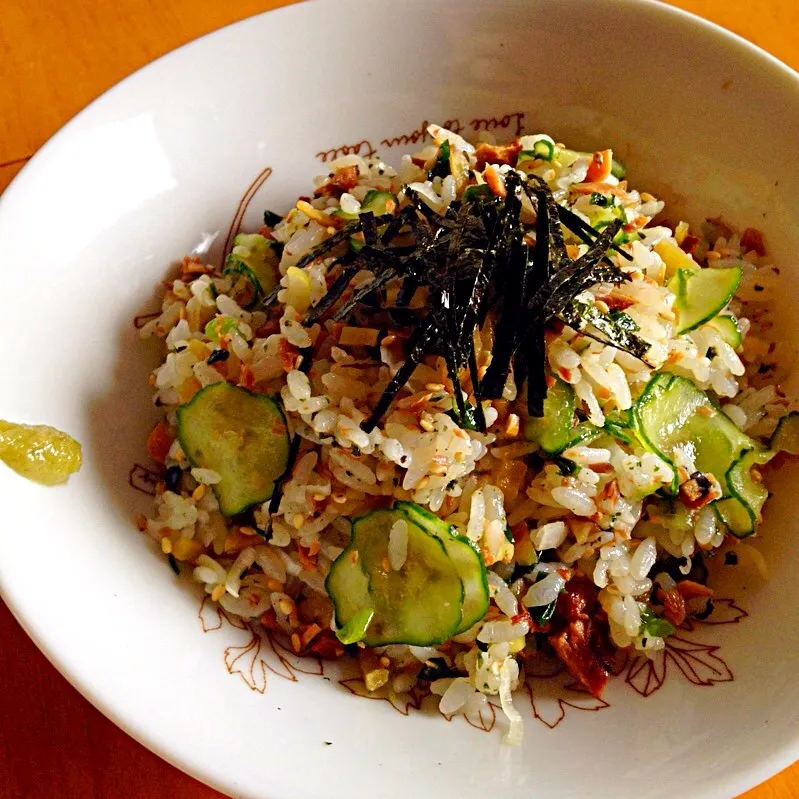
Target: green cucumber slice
x=239, y=435
x=554, y=431
x=727, y=326
x=379, y=202
x=464, y=555
x=702, y=294
x=618, y=424
x=786, y=436
x=418, y=604
x=253, y=257
x=672, y=413
x=741, y=512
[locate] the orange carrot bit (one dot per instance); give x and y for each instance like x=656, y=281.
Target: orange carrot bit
x=326, y=646
x=306, y=559
x=600, y=166
x=497, y=154
x=288, y=354
x=690, y=589
x=599, y=187
x=159, y=443
x=752, y=239
x=494, y=181
x=674, y=609
x=246, y=377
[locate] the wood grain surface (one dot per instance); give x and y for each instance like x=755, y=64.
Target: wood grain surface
x=56, y=57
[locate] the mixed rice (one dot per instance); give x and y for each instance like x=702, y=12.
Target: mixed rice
x=585, y=548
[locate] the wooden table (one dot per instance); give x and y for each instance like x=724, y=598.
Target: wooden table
x=54, y=58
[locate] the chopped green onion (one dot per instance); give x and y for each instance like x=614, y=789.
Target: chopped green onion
x=220, y=326
x=602, y=200
x=355, y=629
x=544, y=149
x=655, y=626
x=441, y=167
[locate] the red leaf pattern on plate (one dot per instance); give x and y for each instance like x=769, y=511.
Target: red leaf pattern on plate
x=551, y=697
x=247, y=663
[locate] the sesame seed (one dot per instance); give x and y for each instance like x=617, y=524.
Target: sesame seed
x=198, y=492
x=166, y=546
x=295, y=642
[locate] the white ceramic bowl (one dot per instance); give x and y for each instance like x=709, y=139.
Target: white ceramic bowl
x=92, y=224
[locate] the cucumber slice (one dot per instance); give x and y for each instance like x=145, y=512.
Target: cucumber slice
x=786, y=436
x=618, y=424
x=741, y=512
x=419, y=604
x=241, y=436
x=618, y=170
x=379, y=202
x=463, y=554
x=702, y=294
x=672, y=413
x=727, y=326
x=554, y=431
x=347, y=586
x=253, y=257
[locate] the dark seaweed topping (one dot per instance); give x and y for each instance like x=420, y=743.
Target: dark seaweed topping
x=277, y=494
x=173, y=564
x=436, y=669
x=730, y=558
x=172, y=478
x=218, y=356
x=271, y=218
x=477, y=261
x=707, y=612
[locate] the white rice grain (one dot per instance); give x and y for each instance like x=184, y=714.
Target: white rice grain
x=398, y=544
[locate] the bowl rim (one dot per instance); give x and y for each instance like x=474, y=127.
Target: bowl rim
x=781, y=756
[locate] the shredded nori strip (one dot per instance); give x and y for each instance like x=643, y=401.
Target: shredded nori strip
x=271, y=218
x=277, y=493
x=477, y=260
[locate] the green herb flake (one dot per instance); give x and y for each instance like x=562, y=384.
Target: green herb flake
x=220, y=326
x=655, y=626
